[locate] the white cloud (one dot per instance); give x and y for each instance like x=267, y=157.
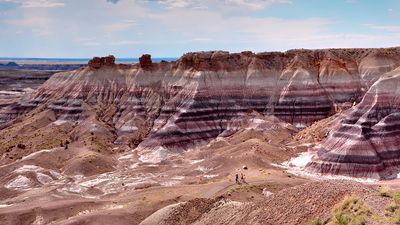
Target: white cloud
x=349, y=40
x=91, y=43
x=34, y=21
x=212, y=25
x=201, y=39
x=255, y=4
x=87, y=41
x=387, y=28
x=37, y=3
x=125, y=42
x=120, y=26
x=178, y=3
x=37, y=25
x=41, y=4
x=205, y=4
x=41, y=32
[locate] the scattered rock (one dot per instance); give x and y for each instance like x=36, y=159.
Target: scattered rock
x=266, y=193
x=20, y=182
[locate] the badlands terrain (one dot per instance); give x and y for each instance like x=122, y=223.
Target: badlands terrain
x=314, y=132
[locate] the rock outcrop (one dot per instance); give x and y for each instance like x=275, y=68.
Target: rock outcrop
x=203, y=95
x=98, y=62
x=366, y=143
x=145, y=61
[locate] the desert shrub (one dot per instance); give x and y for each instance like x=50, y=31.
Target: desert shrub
x=316, y=221
x=352, y=210
x=392, y=207
x=378, y=220
x=396, y=197
x=385, y=192
x=341, y=219
x=395, y=218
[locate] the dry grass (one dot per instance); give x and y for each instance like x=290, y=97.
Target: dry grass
x=385, y=191
x=317, y=221
x=351, y=210
x=393, y=208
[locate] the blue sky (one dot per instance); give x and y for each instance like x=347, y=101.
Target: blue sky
x=169, y=28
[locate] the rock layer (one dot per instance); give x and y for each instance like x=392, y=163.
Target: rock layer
x=366, y=143
x=177, y=105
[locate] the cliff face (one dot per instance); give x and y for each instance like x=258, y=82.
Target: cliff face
x=167, y=107
x=366, y=142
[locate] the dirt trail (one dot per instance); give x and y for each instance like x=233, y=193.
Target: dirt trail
x=221, y=188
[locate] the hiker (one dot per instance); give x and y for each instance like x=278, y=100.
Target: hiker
x=242, y=179
x=237, y=178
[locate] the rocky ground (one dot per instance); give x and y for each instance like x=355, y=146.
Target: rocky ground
x=301, y=204
x=78, y=186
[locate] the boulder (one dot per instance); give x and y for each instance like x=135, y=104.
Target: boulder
x=266, y=193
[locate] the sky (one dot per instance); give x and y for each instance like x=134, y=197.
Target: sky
x=170, y=28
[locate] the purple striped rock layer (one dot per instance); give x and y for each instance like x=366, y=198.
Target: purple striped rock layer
x=366, y=143
x=171, y=106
